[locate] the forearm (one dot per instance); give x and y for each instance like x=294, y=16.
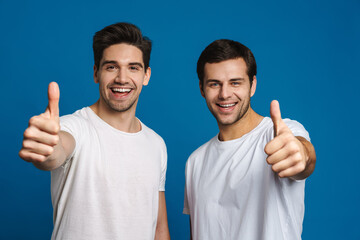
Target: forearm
x=310, y=156
x=162, y=228
x=55, y=160
x=60, y=153
x=162, y=233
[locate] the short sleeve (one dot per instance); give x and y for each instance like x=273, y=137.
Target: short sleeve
x=297, y=129
x=74, y=126
x=163, y=166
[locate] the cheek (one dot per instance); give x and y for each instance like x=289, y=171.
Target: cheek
x=242, y=93
x=210, y=93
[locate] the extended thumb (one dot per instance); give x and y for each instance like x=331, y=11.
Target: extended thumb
x=53, y=96
x=275, y=115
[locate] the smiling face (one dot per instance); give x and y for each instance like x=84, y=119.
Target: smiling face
x=121, y=75
x=227, y=90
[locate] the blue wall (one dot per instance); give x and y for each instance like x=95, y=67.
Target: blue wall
x=308, y=58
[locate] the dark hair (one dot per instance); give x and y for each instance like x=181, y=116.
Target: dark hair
x=121, y=33
x=222, y=50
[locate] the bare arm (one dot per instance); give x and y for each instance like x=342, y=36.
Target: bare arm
x=190, y=228
x=61, y=152
x=162, y=228
x=44, y=144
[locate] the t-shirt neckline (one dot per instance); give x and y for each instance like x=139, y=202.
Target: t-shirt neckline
x=263, y=121
x=105, y=124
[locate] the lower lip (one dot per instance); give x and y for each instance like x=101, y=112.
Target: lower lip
x=119, y=95
x=227, y=109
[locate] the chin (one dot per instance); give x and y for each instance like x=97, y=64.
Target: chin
x=225, y=122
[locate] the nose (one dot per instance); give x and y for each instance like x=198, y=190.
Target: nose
x=121, y=76
x=225, y=92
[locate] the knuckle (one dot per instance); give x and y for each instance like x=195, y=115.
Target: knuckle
x=56, y=140
x=302, y=166
x=266, y=150
x=288, y=136
x=26, y=144
x=33, y=120
x=40, y=158
x=297, y=157
x=282, y=175
x=293, y=148
x=299, y=168
x=55, y=127
x=49, y=151
x=22, y=154
x=28, y=133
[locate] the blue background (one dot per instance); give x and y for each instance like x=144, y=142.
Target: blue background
x=308, y=58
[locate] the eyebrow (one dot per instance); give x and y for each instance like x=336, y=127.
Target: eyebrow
x=237, y=79
x=136, y=64
x=115, y=62
x=231, y=80
x=108, y=62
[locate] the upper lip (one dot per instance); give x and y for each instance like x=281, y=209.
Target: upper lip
x=121, y=87
x=226, y=104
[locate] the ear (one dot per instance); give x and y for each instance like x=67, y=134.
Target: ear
x=96, y=80
x=201, y=86
x=147, y=76
x=253, y=87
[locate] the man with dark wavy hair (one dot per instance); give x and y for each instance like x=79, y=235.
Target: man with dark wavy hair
x=248, y=181
x=107, y=168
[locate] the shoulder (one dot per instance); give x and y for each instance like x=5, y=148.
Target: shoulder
x=152, y=135
x=80, y=115
x=297, y=128
x=200, y=152
x=75, y=123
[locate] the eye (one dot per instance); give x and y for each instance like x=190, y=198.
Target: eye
x=213, y=84
x=111, y=68
x=235, y=83
x=134, y=68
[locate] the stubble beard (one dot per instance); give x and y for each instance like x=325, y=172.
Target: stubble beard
x=243, y=110
x=118, y=107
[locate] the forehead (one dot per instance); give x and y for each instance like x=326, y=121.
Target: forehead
x=122, y=53
x=225, y=70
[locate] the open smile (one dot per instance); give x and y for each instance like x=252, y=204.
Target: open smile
x=120, y=92
x=226, y=107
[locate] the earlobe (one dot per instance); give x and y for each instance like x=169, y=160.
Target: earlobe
x=253, y=86
x=147, y=76
x=95, y=74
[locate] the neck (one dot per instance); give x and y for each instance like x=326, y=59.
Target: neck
x=248, y=122
x=123, y=121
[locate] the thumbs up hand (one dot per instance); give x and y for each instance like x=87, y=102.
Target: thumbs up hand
x=286, y=153
x=42, y=134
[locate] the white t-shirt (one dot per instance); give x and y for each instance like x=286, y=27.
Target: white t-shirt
x=232, y=193
x=109, y=187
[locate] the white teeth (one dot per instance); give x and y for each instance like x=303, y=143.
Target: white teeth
x=121, y=90
x=227, y=105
